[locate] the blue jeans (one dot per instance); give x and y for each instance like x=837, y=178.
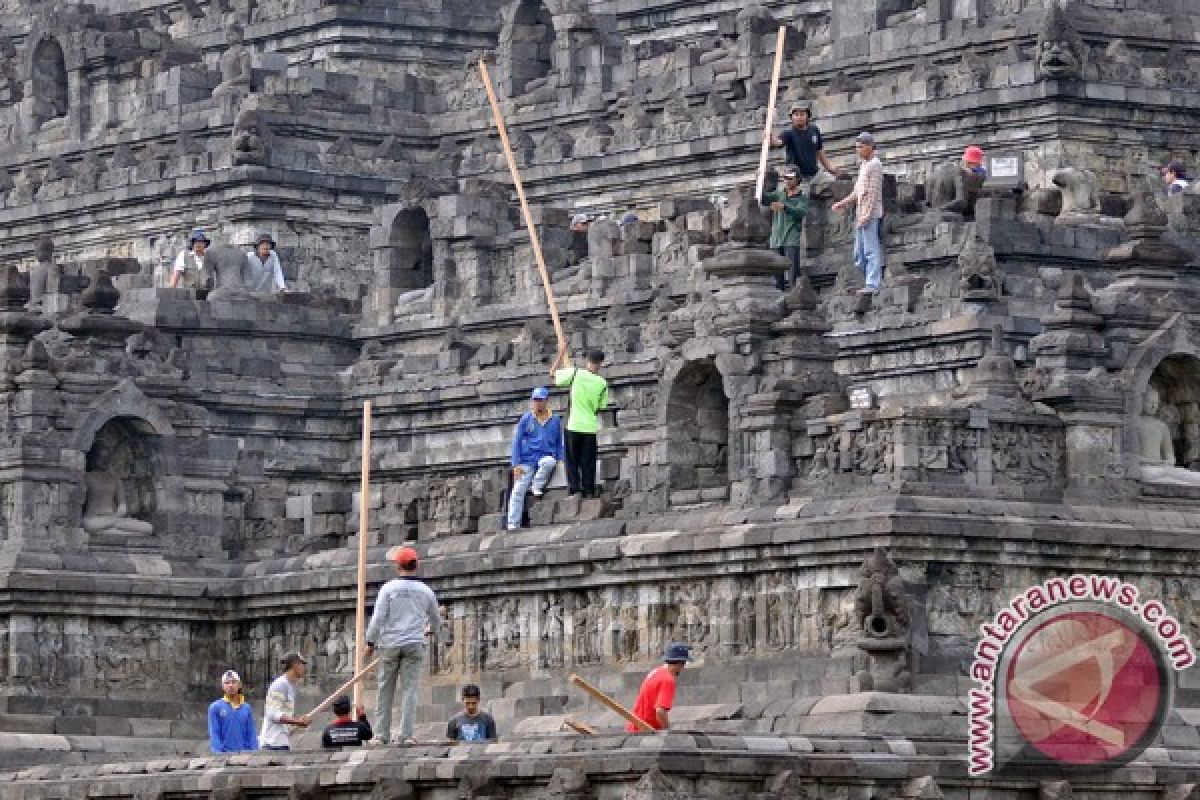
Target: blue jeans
x=538, y=479
x=868, y=252
x=403, y=663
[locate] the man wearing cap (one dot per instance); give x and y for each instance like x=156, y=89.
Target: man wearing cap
x=346, y=731
x=265, y=270
x=280, y=708
x=189, y=264
x=867, y=198
x=589, y=394
x=1175, y=175
x=657, y=695
x=230, y=720
x=803, y=143
x=537, y=447
x=404, y=610
x=972, y=161
x=789, y=205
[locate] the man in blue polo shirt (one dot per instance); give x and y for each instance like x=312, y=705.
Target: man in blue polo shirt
x=537, y=447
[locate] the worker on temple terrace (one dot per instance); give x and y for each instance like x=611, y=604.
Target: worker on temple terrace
x=657, y=695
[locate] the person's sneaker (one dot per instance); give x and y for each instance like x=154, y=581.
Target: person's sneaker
x=409, y=742
x=536, y=492
x=869, y=290
x=514, y=527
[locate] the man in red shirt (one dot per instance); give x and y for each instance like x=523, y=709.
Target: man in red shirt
x=657, y=694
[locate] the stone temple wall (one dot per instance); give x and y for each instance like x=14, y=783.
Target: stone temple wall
x=179, y=468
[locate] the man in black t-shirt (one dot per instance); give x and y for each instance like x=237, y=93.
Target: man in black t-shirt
x=805, y=148
x=804, y=145
x=472, y=725
x=346, y=731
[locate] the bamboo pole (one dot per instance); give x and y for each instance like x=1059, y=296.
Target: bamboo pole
x=360, y=604
x=533, y=235
x=328, y=701
x=625, y=713
x=766, y=142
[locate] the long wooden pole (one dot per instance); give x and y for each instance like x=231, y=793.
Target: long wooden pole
x=766, y=142
x=629, y=716
x=358, y=676
x=360, y=605
x=533, y=234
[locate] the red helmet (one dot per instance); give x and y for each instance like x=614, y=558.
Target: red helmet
x=973, y=154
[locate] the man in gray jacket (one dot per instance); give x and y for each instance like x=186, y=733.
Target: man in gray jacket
x=405, y=609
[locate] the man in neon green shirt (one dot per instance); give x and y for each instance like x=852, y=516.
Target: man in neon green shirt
x=589, y=394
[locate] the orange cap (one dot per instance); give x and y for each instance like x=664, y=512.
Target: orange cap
x=404, y=556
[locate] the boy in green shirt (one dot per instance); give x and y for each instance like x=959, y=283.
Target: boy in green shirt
x=789, y=205
x=589, y=394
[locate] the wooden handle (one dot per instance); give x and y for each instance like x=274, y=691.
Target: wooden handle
x=533, y=234
x=328, y=701
x=629, y=716
x=766, y=142
x=580, y=727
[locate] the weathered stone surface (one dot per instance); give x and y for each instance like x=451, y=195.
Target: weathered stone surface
x=824, y=493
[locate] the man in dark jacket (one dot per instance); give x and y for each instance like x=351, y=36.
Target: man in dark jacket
x=346, y=731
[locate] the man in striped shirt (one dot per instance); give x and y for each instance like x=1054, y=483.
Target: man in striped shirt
x=867, y=198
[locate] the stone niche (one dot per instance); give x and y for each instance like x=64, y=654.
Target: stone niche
x=124, y=465
x=48, y=83
x=698, y=435
x=527, y=48
x=1177, y=381
x=410, y=250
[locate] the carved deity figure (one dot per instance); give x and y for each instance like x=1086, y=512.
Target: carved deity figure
x=43, y=276
x=236, y=70
x=105, y=509
x=1157, y=450
x=552, y=633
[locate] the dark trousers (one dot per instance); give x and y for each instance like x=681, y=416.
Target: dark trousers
x=793, y=255
x=581, y=462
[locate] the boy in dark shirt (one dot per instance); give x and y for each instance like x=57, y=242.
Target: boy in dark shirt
x=471, y=725
x=804, y=144
x=345, y=731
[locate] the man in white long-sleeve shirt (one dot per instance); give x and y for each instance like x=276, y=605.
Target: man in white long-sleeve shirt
x=404, y=610
x=280, y=708
x=265, y=269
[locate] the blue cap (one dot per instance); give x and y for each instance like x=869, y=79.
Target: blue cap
x=198, y=236
x=540, y=393
x=677, y=653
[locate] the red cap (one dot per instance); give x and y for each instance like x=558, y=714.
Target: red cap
x=404, y=556
x=973, y=154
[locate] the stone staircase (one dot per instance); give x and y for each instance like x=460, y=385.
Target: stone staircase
x=783, y=696
x=49, y=730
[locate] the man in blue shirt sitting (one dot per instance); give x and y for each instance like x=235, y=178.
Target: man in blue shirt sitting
x=537, y=447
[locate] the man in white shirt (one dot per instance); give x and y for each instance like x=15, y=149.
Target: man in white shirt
x=265, y=270
x=404, y=611
x=189, y=264
x=280, y=708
